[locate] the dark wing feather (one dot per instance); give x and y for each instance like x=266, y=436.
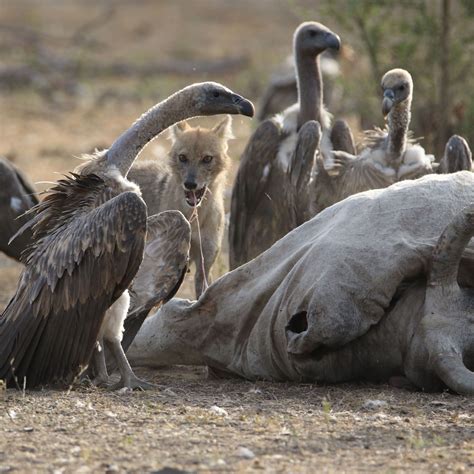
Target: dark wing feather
x=299, y=192
x=457, y=156
x=252, y=209
x=342, y=138
x=350, y=175
x=374, y=138
x=80, y=263
x=17, y=195
x=162, y=271
x=280, y=94
x=377, y=139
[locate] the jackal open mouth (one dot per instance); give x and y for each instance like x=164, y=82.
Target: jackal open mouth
x=193, y=198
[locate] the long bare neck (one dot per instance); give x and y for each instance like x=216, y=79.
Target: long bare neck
x=127, y=147
x=398, y=123
x=310, y=96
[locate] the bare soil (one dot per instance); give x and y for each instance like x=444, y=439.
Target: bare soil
x=200, y=425
x=192, y=423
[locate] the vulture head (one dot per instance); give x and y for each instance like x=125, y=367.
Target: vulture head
x=397, y=87
x=212, y=98
x=312, y=38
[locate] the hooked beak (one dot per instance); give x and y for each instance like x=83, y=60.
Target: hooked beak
x=244, y=106
x=333, y=41
x=388, y=101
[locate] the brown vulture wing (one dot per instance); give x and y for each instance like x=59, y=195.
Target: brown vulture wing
x=252, y=207
x=88, y=247
x=162, y=271
x=342, y=138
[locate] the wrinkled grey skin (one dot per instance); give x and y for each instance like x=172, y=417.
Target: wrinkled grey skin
x=342, y=297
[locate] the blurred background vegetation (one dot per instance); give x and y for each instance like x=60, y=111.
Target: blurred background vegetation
x=60, y=57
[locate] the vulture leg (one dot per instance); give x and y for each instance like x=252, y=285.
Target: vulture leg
x=127, y=378
x=102, y=376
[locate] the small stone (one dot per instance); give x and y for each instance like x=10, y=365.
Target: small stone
x=218, y=411
x=28, y=429
x=374, y=404
x=124, y=391
x=170, y=392
x=439, y=403
x=110, y=468
x=246, y=453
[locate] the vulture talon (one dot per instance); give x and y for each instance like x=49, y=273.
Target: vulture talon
x=133, y=383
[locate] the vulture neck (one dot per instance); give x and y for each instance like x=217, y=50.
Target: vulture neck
x=398, y=123
x=127, y=147
x=310, y=97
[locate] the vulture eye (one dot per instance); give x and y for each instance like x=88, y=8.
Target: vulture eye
x=207, y=159
x=182, y=158
x=313, y=33
x=402, y=87
x=216, y=94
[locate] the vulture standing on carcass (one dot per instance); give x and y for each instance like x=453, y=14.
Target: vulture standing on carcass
x=457, y=156
x=387, y=156
x=17, y=195
x=259, y=187
x=89, y=235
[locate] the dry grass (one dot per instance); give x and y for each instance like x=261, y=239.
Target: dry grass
x=288, y=427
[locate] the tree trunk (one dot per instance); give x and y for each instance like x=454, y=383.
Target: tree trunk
x=444, y=90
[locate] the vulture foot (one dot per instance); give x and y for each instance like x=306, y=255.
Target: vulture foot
x=127, y=378
x=133, y=383
x=101, y=381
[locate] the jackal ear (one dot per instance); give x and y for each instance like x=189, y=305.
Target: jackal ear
x=177, y=130
x=224, y=128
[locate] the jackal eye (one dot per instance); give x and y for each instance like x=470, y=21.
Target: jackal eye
x=207, y=159
x=182, y=158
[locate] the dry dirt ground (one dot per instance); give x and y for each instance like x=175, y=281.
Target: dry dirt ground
x=196, y=425
x=192, y=423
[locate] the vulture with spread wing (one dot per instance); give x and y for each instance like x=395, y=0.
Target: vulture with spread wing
x=88, y=240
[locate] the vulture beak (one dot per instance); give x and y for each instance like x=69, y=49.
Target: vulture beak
x=244, y=106
x=333, y=41
x=388, y=101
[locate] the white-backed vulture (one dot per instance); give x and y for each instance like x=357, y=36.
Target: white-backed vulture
x=457, y=156
x=386, y=156
x=259, y=193
x=89, y=236
x=17, y=195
